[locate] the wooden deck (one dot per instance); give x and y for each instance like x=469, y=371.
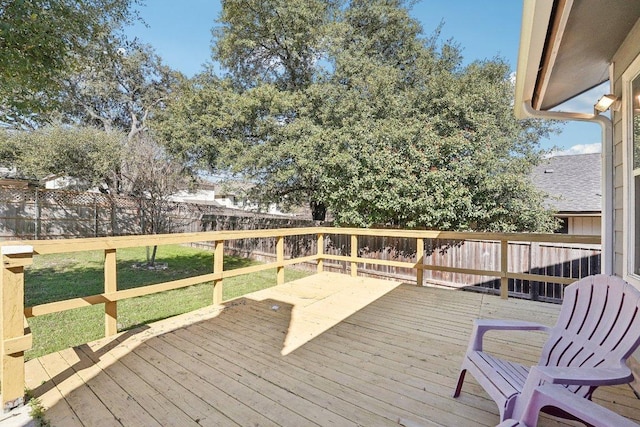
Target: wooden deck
x=325, y=350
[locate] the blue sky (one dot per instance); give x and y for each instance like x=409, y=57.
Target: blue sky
x=180, y=31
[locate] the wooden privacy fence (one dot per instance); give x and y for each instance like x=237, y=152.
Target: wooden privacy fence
x=35, y=213
x=16, y=338
x=39, y=214
x=568, y=259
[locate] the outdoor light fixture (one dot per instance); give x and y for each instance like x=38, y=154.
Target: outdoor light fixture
x=604, y=103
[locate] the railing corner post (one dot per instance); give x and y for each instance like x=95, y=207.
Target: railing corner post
x=15, y=338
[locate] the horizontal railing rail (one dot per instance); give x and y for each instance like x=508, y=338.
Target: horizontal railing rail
x=16, y=337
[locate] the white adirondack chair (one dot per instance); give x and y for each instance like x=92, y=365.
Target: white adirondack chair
x=556, y=396
x=597, y=330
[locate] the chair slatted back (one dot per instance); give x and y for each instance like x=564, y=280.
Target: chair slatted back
x=598, y=326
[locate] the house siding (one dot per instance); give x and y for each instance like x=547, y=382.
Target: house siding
x=618, y=193
x=585, y=225
x=628, y=51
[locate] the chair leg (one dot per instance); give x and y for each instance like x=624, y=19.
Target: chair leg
x=460, y=381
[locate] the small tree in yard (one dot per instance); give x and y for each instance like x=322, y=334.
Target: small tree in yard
x=152, y=177
x=89, y=154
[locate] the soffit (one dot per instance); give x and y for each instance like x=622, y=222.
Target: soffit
x=594, y=31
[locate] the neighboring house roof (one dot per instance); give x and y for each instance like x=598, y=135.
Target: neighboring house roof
x=566, y=48
x=11, y=178
x=573, y=183
x=16, y=182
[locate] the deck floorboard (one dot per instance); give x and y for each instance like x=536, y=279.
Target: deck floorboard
x=327, y=350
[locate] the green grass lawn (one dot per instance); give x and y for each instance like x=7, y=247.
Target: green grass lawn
x=59, y=277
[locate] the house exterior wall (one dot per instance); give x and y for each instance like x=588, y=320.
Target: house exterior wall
x=585, y=225
x=626, y=54
x=61, y=182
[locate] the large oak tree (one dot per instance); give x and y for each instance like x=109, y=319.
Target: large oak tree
x=348, y=107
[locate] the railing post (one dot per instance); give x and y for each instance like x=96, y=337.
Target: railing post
x=110, y=286
x=504, y=269
x=218, y=267
x=354, y=255
x=419, y=261
x=280, y=260
x=15, y=339
x=320, y=252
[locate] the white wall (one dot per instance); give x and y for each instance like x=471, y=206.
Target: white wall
x=585, y=225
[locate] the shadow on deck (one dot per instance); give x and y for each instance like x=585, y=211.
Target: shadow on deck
x=325, y=350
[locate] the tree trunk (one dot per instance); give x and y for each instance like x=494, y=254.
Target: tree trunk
x=152, y=261
x=318, y=211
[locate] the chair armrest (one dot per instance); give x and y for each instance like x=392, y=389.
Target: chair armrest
x=580, y=407
x=481, y=326
x=582, y=376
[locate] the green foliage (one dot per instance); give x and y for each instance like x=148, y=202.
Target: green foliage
x=277, y=41
x=361, y=115
x=117, y=88
x=450, y=156
x=87, y=153
x=66, y=62
x=197, y=120
x=37, y=411
x=139, y=168
x=41, y=41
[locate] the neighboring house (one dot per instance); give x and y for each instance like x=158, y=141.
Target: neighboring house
x=204, y=195
x=225, y=195
x=566, y=48
x=62, y=182
x=208, y=193
x=9, y=177
x=574, y=186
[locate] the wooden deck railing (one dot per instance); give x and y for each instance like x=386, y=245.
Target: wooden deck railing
x=16, y=339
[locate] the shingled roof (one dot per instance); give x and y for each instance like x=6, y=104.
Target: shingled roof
x=572, y=182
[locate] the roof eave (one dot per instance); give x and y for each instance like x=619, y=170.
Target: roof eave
x=572, y=214
x=536, y=16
